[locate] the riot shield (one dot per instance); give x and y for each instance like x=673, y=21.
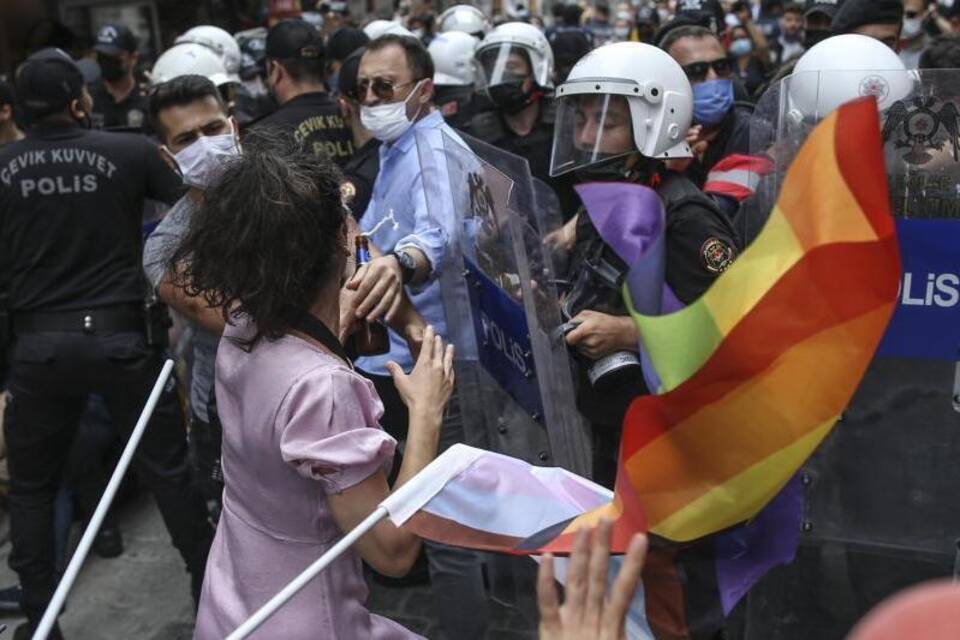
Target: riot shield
x=514, y=379
x=880, y=493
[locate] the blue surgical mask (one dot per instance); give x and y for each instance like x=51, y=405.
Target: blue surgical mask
x=712, y=101
x=741, y=47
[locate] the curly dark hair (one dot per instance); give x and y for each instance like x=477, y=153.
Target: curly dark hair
x=265, y=239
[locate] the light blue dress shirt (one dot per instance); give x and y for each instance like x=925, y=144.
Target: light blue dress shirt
x=411, y=206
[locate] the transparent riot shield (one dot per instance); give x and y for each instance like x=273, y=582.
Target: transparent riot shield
x=881, y=510
x=515, y=385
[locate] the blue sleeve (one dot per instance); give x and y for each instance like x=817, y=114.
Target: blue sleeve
x=433, y=216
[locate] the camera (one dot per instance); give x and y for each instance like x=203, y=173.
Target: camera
x=598, y=287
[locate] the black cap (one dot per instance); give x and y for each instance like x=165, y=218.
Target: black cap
x=345, y=41
x=46, y=85
x=6, y=93
x=826, y=7
x=856, y=13
x=708, y=13
x=348, y=75
x=114, y=39
x=569, y=46
x=294, y=38
x=686, y=20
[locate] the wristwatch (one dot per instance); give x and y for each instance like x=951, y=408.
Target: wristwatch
x=408, y=265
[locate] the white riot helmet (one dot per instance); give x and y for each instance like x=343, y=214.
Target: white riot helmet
x=510, y=44
x=379, y=28
x=188, y=58
x=220, y=42
x=465, y=18
x=453, y=60
x=843, y=68
x=620, y=99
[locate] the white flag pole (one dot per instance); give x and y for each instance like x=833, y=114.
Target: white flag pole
x=399, y=506
x=309, y=574
x=66, y=582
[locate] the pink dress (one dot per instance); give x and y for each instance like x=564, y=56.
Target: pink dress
x=298, y=425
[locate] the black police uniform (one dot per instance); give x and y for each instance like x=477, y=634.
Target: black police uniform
x=314, y=120
x=700, y=245
x=360, y=173
x=536, y=147
x=70, y=207
x=129, y=113
x=458, y=104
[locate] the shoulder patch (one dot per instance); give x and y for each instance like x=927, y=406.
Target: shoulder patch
x=348, y=191
x=717, y=255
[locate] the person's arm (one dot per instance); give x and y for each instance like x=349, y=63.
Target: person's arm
x=157, y=251
x=194, y=308
x=426, y=391
x=378, y=284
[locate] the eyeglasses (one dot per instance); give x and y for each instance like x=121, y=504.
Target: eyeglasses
x=697, y=71
x=382, y=88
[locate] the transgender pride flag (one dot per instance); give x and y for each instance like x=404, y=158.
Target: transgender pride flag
x=483, y=500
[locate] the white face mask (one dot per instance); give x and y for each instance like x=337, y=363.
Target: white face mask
x=912, y=27
x=387, y=122
x=202, y=161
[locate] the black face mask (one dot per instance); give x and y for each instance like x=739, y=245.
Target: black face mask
x=812, y=37
x=510, y=97
x=627, y=168
x=111, y=68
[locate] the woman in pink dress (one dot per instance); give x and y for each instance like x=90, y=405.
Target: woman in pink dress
x=304, y=457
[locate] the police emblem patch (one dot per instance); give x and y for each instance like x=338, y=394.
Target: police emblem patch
x=875, y=86
x=717, y=255
x=347, y=192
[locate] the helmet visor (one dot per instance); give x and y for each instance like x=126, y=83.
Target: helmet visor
x=590, y=129
x=505, y=63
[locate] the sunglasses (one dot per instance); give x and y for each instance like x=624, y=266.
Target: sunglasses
x=697, y=71
x=381, y=87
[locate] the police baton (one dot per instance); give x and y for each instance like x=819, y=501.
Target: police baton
x=66, y=582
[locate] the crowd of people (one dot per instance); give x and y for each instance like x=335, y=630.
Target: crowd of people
x=267, y=191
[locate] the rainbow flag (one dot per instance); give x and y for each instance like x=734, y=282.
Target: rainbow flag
x=757, y=371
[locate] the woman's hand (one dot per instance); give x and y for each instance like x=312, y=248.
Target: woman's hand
x=427, y=389
x=589, y=612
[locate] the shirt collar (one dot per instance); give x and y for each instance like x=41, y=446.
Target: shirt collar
x=404, y=142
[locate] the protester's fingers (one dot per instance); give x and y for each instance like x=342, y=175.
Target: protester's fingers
x=547, y=602
x=394, y=308
x=396, y=371
x=372, y=297
x=438, y=352
x=621, y=595
x=576, y=582
x=425, y=352
x=597, y=577
x=372, y=278
x=448, y=361
x=357, y=278
x=386, y=301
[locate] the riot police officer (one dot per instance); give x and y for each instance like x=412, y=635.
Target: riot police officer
x=119, y=101
x=518, y=64
x=70, y=206
x=604, y=133
x=622, y=112
x=455, y=76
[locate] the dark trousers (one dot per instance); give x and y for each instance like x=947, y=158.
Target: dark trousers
x=206, y=437
x=51, y=375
